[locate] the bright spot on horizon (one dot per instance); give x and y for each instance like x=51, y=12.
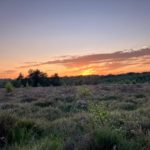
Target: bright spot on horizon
x=38, y=31
x=87, y=72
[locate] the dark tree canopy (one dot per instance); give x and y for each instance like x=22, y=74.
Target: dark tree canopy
x=55, y=80
x=37, y=78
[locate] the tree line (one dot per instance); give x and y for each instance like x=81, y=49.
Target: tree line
x=37, y=78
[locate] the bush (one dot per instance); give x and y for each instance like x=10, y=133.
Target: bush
x=9, y=87
x=99, y=114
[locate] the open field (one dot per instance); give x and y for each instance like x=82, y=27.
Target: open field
x=98, y=117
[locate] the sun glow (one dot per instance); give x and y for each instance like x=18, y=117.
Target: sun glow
x=87, y=72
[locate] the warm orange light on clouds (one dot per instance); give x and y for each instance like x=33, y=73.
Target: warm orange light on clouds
x=102, y=64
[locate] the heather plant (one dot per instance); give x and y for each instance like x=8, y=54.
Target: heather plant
x=83, y=92
x=68, y=118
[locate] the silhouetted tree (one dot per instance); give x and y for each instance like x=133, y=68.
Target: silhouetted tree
x=37, y=78
x=55, y=80
x=19, y=81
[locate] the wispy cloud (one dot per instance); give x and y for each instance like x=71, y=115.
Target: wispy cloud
x=111, y=60
x=106, y=63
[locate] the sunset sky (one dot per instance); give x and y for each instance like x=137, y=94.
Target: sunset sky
x=74, y=37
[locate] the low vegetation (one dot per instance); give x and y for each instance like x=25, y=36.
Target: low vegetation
x=94, y=117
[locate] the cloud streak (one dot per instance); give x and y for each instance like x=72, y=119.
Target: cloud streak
x=79, y=61
x=102, y=64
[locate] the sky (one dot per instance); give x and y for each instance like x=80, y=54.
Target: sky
x=65, y=36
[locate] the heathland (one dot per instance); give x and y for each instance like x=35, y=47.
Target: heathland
x=68, y=117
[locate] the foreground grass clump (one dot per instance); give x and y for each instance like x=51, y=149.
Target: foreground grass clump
x=16, y=131
x=96, y=117
x=110, y=139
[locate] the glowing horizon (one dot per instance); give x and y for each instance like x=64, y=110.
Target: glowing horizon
x=72, y=38
x=94, y=64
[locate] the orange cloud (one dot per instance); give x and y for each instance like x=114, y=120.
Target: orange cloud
x=111, y=63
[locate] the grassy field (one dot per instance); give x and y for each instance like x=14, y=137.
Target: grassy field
x=98, y=117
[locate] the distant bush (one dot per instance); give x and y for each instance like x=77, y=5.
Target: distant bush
x=9, y=87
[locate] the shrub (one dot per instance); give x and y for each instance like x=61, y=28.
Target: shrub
x=98, y=113
x=9, y=87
